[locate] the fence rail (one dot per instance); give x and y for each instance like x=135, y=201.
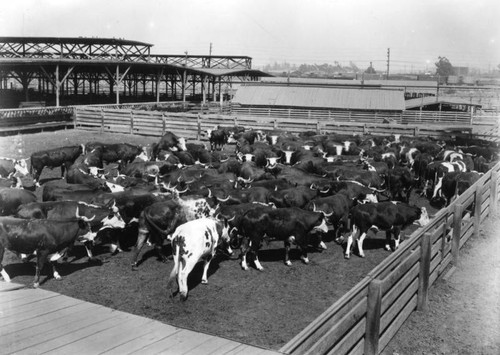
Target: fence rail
x=366, y=318
x=194, y=125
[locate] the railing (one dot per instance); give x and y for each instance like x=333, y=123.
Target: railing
x=369, y=315
x=194, y=125
x=360, y=116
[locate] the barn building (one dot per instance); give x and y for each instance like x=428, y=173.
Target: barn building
x=320, y=98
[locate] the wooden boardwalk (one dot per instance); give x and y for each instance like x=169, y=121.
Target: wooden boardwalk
x=36, y=321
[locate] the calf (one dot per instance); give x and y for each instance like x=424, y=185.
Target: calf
x=388, y=216
x=62, y=157
x=192, y=242
x=11, y=199
x=45, y=237
x=291, y=225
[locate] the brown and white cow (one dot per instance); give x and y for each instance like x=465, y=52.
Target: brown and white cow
x=192, y=242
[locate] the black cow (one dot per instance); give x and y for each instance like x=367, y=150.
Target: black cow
x=388, y=216
x=336, y=209
x=453, y=185
x=294, y=197
x=11, y=199
x=47, y=238
x=54, y=189
x=124, y=153
x=218, y=138
x=103, y=217
x=62, y=157
x=159, y=220
x=400, y=182
x=291, y=225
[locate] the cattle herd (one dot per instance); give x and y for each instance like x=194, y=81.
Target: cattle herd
x=246, y=188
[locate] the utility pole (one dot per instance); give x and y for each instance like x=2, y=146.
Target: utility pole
x=388, y=61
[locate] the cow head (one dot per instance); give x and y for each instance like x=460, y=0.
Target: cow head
x=84, y=225
x=223, y=231
x=181, y=144
x=21, y=167
x=424, y=217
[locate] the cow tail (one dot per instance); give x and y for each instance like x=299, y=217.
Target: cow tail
x=164, y=233
x=172, y=280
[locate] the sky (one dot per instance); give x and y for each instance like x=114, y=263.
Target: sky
x=466, y=32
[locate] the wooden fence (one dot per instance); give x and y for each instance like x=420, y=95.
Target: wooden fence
x=369, y=315
x=194, y=126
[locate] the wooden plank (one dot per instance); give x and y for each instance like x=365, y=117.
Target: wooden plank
x=345, y=307
x=215, y=345
x=402, y=285
x=398, y=305
x=398, y=322
x=48, y=317
x=21, y=297
x=36, y=309
x=58, y=338
x=373, y=312
x=110, y=337
x=9, y=286
x=155, y=332
x=424, y=272
x=177, y=343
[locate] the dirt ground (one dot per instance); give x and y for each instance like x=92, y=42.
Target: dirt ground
x=261, y=308
x=463, y=315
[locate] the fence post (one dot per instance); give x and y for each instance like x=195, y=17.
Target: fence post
x=457, y=232
x=493, y=193
x=318, y=127
x=102, y=120
x=198, y=134
x=372, y=329
x=164, y=124
x=425, y=267
x=131, y=121
x=478, y=201
x=275, y=123
x=74, y=118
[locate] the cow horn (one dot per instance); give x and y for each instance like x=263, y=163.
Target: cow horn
x=327, y=214
x=83, y=218
x=209, y=193
x=231, y=219
x=223, y=199
x=314, y=207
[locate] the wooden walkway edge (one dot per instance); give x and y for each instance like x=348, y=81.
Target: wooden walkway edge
x=36, y=321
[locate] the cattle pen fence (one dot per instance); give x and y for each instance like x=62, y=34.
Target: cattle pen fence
x=194, y=125
x=369, y=315
x=365, y=319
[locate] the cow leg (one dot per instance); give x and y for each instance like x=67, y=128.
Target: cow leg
x=303, y=254
x=182, y=279
x=437, y=187
x=2, y=270
x=287, y=250
x=355, y=233
x=204, y=278
x=41, y=257
x=360, y=244
x=397, y=237
x=243, y=252
x=141, y=239
x=388, y=240
x=257, y=262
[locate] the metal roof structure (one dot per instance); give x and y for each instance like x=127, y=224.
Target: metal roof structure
x=433, y=100
x=78, y=65
x=320, y=97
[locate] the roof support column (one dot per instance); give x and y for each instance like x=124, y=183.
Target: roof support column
x=158, y=81
x=184, y=83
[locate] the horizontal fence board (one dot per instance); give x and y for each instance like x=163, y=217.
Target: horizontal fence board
x=398, y=322
x=350, y=340
x=394, y=307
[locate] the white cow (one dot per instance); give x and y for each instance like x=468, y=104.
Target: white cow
x=192, y=242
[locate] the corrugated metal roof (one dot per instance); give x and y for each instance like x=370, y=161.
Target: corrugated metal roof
x=224, y=72
x=321, y=97
x=432, y=100
x=356, y=82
